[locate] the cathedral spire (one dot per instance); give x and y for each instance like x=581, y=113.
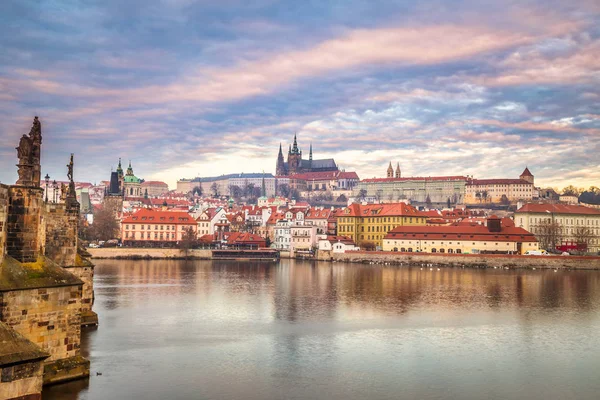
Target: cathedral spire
x=390, y=171
x=295, y=146
x=398, y=175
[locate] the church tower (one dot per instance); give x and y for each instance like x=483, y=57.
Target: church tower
x=280, y=168
x=295, y=159
x=398, y=175
x=390, y=171
x=527, y=176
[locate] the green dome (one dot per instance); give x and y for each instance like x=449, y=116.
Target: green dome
x=131, y=179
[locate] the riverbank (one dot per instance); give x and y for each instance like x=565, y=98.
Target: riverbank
x=469, y=260
x=128, y=253
x=377, y=257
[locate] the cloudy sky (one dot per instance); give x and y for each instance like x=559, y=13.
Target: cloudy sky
x=198, y=88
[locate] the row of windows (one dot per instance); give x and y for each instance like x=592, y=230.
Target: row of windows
x=156, y=227
x=380, y=220
x=149, y=235
x=572, y=221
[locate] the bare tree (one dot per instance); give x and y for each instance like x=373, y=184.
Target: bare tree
x=362, y=194
x=188, y=241
x=583, y=236
x=548, y=233
x=105, y=225
x=428, y=202
x=484, y=195
x=215, y=189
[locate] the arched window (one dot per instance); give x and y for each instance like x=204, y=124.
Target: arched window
x=458, y=251
x=450, y=251
x=403, y=249
x=433, y=250
x=442, y=250
x=410, y=249
x=395, y=249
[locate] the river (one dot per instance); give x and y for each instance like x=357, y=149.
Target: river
x=298, y=330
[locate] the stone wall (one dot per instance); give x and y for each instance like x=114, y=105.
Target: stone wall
x=3, y=218
x=22, y=381
x=127, y=252
x=48, y=317
x=84, y=272
x=60, y=233
x=469, y=260
x=23, y=222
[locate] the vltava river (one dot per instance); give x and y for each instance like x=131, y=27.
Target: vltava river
x=296, y=330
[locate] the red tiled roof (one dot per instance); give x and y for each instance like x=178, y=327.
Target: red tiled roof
x=243, y=238
x=418, y=178
x=475, y=182
x=558, y=209
x=160, y=217
x=340, y=239
x=325, y=175
x=317, y=213
x=526, y=172
x=387, y=209
x=460, y=232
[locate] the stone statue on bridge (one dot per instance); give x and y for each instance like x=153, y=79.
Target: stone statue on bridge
x=28, y=154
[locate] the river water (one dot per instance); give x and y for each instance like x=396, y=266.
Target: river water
x=298, y=330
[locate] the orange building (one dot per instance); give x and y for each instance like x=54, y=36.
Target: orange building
x=148, y=227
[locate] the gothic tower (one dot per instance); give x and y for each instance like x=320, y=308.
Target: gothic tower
x=398, y=170
x=390, y=171
x=280, y=168
x=295, y=159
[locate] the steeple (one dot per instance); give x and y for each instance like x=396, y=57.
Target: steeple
x=310, y=154
x=120, y=169
x=398, y=175
x=280, y=167
x=295, y=149
x=129, y=169
x=390, y=171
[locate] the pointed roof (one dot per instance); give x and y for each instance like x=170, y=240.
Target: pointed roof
x=526, y=172
x=295, y=149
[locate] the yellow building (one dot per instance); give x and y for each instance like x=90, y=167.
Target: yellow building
x=368, y=224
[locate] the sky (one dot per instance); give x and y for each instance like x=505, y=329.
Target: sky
x=188, y=88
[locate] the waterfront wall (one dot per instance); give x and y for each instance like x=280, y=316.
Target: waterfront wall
x=48, y=317
x=468, y=260
x=126, y=252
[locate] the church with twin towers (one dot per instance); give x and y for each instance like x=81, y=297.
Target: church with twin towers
x=296, y=165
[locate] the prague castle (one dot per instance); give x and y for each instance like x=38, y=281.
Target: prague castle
x=296, y=165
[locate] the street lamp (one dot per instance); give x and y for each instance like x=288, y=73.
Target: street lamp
x=47, y=179
x=55, y=187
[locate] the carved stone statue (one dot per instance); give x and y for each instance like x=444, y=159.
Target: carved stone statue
x=64, y=190
x=28, y=154
x=24, y=150
x=70, y=169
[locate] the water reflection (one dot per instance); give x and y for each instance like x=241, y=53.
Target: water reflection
x=200, y=329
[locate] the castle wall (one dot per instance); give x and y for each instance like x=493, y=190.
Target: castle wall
x=49, y=317
x=3, y=218
x=23, y=222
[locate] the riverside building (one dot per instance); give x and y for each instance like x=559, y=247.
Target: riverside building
x=369, y=223
x=492, y=238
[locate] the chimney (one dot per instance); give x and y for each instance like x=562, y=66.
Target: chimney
x=494, y=224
